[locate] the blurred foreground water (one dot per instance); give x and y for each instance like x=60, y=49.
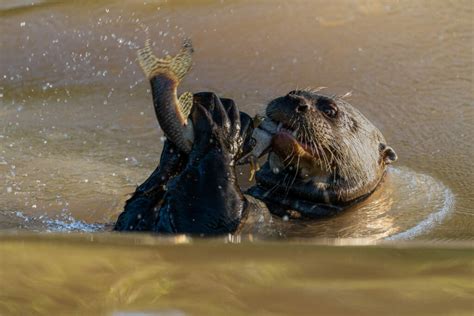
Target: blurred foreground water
x=78, y=133
x=131, y=275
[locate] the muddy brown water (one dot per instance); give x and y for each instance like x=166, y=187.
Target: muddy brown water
x=78, y=133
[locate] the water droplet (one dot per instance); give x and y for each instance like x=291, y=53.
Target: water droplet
x=47, y=86
x=132, y=160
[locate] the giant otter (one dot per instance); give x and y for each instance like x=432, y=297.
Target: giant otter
x=330, y=154
x=324, y=155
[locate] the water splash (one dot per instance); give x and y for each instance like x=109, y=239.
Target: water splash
x=65, y=223
x=433, y=220
x=408, y=204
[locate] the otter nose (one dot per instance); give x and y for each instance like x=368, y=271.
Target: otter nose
x=303, y=107
x=300, y=102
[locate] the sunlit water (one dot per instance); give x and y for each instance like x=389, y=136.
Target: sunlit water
x=78, y=133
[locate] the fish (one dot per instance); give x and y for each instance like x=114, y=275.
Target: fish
x=172, y=112
x=164, y=75
x=264, y=129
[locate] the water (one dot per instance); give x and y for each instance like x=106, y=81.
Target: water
x=126, y=275
x=78, y=133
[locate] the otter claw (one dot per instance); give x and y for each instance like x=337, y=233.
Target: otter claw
x=254, y=167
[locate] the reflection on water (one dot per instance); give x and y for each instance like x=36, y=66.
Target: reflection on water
x=405, y=206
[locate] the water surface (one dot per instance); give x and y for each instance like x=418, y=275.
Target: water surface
x=78, y=133
x=78, y=129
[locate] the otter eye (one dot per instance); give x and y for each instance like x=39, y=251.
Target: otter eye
x=330, y=112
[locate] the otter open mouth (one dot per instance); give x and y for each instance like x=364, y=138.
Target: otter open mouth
x=288, y=142
x=286, y=137
x=293, y=149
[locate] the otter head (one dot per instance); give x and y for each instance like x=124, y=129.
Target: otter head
x=325, y=150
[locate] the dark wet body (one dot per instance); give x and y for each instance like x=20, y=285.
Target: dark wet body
x=309, y=173
x=195, y=192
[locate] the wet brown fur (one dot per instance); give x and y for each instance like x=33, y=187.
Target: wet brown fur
x=347, y=147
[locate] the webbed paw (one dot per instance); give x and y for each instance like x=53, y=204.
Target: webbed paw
x=216, y=127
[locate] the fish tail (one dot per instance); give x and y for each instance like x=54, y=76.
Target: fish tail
x=177, y=66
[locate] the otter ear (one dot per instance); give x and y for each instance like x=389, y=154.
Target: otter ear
x=388, y=154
